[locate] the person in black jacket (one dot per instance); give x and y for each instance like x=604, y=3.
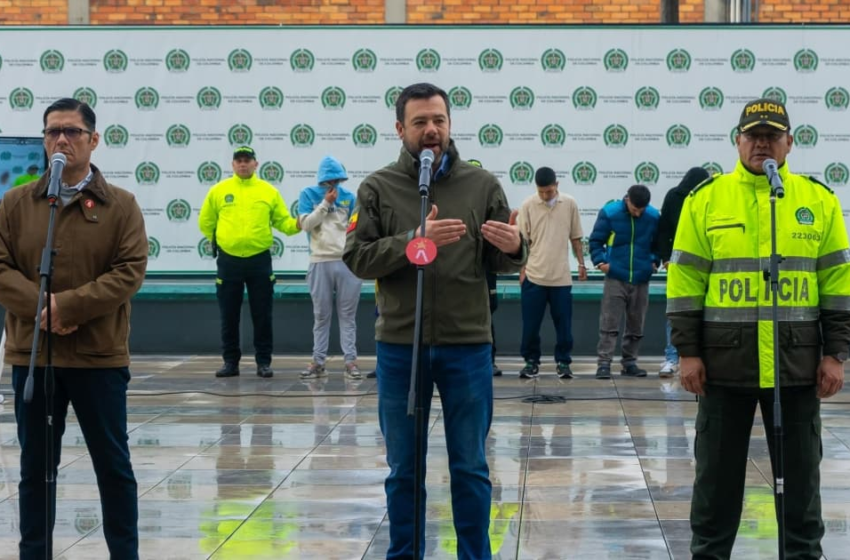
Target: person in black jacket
x=670, y=211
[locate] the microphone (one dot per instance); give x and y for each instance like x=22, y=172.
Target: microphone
x=772, y=172
x=57, y=165
x=426, y=160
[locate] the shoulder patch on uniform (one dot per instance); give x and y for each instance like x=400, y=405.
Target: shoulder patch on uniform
x=704, y=184
x=814, y=179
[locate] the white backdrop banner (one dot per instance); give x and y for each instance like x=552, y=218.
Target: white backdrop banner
x=605, y=107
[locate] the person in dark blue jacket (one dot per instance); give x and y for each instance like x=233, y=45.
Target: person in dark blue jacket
x=621, y=246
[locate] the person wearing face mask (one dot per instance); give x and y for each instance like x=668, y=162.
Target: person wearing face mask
x=621, y=247
x=720, y=308
x=324, y=211
x=550, y=221
x=237, y=217
x=475, y=231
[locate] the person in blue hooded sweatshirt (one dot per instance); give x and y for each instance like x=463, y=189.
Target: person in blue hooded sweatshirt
x=324, y=213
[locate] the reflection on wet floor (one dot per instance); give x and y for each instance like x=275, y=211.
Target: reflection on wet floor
x=279, y=468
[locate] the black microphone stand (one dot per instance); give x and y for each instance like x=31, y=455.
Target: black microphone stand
x=772, y=274
x=46, y=271
x=415, y=406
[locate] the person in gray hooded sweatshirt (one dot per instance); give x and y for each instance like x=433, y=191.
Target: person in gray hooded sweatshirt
x=324, y=212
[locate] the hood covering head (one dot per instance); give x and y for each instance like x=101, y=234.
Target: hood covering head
x=330, y=169
x=693, y=177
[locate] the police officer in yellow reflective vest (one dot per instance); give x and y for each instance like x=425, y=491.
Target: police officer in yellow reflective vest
x=719, y=305
x=237, y=217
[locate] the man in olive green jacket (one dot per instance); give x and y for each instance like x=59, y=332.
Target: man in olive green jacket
x=475, y=232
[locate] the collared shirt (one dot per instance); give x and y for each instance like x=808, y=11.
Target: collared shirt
x=82, y=184
x=549, y=228
x=67, y=192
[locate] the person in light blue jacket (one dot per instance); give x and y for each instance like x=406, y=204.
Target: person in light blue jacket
x=621, y=247
x=325, y=211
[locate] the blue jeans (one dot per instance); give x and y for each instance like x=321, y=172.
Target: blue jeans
x=534, y=300
x=99, y=397
x=463, y=375
x=670, y=352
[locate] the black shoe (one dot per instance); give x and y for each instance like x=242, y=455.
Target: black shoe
x=633, y=371
x=372, y=374
x=564, y=371
x=496, y=371
x=530, y=371
x=265, y=371
x=603, y=372
x=230, y=369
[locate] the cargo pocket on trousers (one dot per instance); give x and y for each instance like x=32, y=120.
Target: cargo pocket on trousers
x=816, y=436
x=700, y=428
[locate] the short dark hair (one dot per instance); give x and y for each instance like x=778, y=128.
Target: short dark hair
x=69, y=104
x=639, y=195
x=422, y=90
x=545, y=177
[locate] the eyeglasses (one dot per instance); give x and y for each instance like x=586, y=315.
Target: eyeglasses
x=770, y=137
x=70, y=132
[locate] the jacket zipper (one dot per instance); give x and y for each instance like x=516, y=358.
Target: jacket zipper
x=727, y=226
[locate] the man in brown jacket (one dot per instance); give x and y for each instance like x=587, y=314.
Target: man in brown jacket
x=101, y=255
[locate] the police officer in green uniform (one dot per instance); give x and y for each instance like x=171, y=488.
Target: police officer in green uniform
x=237, y=217
x=719, y=305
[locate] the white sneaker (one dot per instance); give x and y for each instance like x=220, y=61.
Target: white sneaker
x=352, y=371
x=313, y=371
x=668, y=368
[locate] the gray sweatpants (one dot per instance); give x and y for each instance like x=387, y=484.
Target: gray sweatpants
x=619, y=297
x=326, y=279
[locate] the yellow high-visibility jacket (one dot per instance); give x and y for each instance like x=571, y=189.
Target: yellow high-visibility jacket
x=238, y=214
x=718, y=299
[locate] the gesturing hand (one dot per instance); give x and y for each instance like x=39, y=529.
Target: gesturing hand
x=442, y=232
x=504, y=236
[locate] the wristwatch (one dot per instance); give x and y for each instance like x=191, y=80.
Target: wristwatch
x=841, y=356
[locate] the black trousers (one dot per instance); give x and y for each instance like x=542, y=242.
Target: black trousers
x=723, y=426
x=99, y=398
x=234, y=275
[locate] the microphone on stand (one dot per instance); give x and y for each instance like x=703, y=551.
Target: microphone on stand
x=771, y=169
x=426, y=160
x=57, y=166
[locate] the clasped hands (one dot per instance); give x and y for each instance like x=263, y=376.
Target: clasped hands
x=55, y=319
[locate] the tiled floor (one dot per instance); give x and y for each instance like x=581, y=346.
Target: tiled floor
x=281, y=469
